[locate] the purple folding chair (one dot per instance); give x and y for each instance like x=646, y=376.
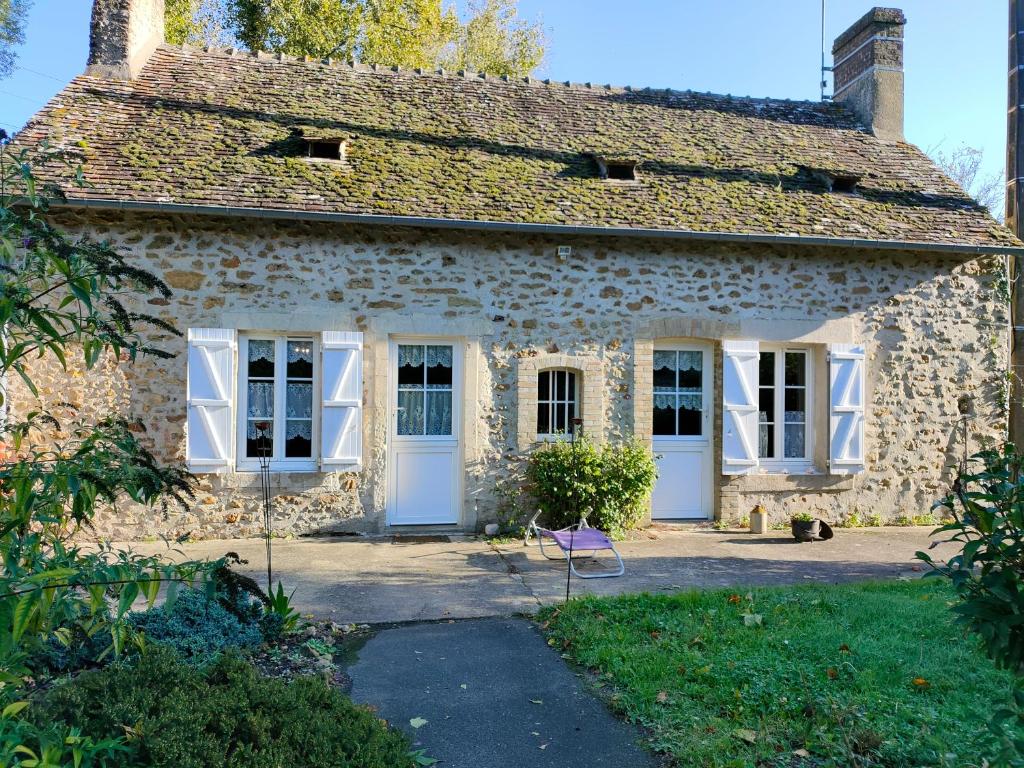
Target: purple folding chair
x=574, y=541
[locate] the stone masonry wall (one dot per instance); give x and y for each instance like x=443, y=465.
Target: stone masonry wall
x=934, y=328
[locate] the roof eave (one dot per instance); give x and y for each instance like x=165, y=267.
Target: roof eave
x=764, y=238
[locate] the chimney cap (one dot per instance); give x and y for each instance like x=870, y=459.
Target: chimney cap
x=877, y=15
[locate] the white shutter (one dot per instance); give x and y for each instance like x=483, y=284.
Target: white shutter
x=341, y=414
x=846, y=409
x=211, y=365
x=739, y=407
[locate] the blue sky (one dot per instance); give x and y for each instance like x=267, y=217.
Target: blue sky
x=955, y=55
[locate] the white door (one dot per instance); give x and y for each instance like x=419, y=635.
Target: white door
x=682, y=432
x=424, y=460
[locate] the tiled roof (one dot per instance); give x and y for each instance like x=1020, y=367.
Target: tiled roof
x=225, y=128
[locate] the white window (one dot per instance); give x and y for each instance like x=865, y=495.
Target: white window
x=784, y=406
x=557, y=402
x=278, y=414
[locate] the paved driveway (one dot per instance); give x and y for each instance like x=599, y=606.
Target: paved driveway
x=366, y=580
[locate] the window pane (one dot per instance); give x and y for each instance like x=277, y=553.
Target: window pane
x=439, y=413
x=439, y=367
x=690, y=421
x=571, y=407
x=299, y=401
x=794, y=439
x=300, y=360
x=691, y=364
x=766, y=369
x=766, y=441
x=796, y=369
x=664, y=414
x=559, y=385
x=570, y=386
x=298, y=440
x=766, y=404
x=664, y=371
x=259, y=438
x=410, y=412
x=261, y=399
x=410, y=366
x=261, y=359
x=796, y=404
x=543, y=418
x=559, y=414
x=544, y=385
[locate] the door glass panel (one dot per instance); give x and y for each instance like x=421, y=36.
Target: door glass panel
x=678, y=393
x=410, y=366
x=410, y=412
x=439, y=367
x=439, y=412
x=664, y=371
x=664, y=414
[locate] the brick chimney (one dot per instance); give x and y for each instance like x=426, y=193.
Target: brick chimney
x=868, y=70
x=122, y=35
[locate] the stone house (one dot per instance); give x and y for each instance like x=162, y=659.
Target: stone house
x=398, y=283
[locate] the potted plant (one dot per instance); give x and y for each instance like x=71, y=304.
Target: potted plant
x=804, y=526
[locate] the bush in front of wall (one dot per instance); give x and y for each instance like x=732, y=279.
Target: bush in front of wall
x=610, y=485
x=197, y=627
x=226, y=714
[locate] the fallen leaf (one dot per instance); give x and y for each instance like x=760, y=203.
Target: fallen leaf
x=536, y=701
x=844, y=648
x=417, y=722
x=534, y=733
x=735, y=599
x=463, y=686
x=801, y=753
x=543, y=746
x=832, y=673
x=655, y=634
x=921, y=683
x=752, y=619
x=745, y=734
x=662, y=697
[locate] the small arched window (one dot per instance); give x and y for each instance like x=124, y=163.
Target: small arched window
x=557, y=401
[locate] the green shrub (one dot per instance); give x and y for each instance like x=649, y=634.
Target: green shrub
x=802, y=517
x=610, y=485
x=987, y=507
x=197, y=627
x=222, y=716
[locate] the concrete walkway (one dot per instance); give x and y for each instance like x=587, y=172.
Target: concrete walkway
x=492, y=693
x=372, y=581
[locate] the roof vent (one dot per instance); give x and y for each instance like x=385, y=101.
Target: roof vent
x=845, y=182
x=616, y=170
x=324, y=146
x=832, y=180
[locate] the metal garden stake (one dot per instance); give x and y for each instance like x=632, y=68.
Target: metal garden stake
x=263, y=446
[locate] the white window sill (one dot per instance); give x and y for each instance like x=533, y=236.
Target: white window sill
x=279, y=466
x=788, y=468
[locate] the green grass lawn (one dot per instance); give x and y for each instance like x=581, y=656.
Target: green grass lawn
x=865, y=674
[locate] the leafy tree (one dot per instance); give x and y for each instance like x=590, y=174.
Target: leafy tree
x=196, y=22
x=12, y=31
x=406, y=33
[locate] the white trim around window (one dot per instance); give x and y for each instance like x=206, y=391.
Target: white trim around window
x=558, y=402
x=785, y=408
x=304, y=388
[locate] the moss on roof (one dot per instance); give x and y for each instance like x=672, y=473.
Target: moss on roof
x=225, y=128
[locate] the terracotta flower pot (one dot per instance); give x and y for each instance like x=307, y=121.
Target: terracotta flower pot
x=805, y=530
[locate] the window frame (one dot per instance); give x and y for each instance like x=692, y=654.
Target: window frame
x=278, y=461
x=707, y=363
x=394, y=388
x=780, y=462
x=553, y=401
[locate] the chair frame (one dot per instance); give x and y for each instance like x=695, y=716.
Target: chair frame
x=533, y=530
